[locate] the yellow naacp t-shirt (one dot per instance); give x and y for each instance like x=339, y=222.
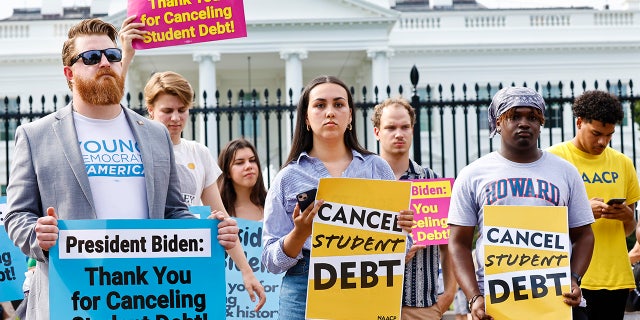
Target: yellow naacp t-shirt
x=608, y=175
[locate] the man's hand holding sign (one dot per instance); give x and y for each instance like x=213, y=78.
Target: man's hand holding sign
x=171, y=23
x=124, y=269
x=527, y=265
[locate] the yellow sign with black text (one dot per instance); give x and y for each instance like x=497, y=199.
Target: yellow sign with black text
x=357, y=256
x=526, y=262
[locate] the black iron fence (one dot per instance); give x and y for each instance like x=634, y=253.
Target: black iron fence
x=451, y=129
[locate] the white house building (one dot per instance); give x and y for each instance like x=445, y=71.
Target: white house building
x=364, y=42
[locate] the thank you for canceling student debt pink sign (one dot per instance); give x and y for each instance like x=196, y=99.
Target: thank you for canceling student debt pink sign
x=177, y=22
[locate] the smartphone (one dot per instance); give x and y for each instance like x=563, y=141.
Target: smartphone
x=306, y=198
x=613, y=201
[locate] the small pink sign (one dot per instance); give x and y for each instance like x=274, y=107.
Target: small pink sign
x=177, y=22
x=430, y=205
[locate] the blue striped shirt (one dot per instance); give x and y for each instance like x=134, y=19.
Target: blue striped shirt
x=299, y=176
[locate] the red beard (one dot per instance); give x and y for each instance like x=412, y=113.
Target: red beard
x=101, y=90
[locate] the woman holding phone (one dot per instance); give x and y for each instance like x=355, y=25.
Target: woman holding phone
x=324, y=145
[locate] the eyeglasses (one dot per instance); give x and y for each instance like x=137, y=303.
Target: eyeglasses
x=92, y=57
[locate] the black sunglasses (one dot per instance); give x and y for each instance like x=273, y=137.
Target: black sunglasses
x=92, y=57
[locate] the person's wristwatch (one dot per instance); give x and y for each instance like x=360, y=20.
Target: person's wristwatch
x=577, y=277
x=473, y=300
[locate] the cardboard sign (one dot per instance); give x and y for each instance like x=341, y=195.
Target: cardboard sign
x=178, y=22
x=239, y=306
x=430, y=203
x=137, y=269
x=357, y=256
x=13, y=263
x=527, y=262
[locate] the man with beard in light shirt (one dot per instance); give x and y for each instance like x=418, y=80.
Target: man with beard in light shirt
x=52, y=176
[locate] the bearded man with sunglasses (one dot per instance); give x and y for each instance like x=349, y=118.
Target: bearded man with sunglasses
x=93, y=159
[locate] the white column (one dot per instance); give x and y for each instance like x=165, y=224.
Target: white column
x=293, y=80
x=207, y=82
x=127, y=88
x=380, y=78
x=133, y=84
x=293, y=72
x=379, y=71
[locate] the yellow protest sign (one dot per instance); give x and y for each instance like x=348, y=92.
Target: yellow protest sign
x=357, y=256
x=526, y=261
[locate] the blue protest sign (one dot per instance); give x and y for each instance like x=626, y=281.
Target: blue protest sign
x=13, y=263
x=137, y=269
x=239, y=306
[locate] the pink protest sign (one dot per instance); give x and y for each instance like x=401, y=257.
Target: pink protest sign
x=430, y=204
x=177, y=22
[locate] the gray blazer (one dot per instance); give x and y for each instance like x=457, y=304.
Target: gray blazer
x=47, y=170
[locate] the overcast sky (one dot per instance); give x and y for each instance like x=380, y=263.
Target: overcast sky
x=7, y=6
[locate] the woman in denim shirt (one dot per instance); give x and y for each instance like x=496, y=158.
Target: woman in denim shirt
x=324, y=145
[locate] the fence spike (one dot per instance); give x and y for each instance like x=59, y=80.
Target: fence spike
x=619, y=87
x=141, y=100
x=414, y=76
x=127, y=98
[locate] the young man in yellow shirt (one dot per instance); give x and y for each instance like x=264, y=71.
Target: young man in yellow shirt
x=607, y=174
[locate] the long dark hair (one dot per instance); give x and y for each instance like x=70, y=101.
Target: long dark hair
x=227, y=191
x=303, y=139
